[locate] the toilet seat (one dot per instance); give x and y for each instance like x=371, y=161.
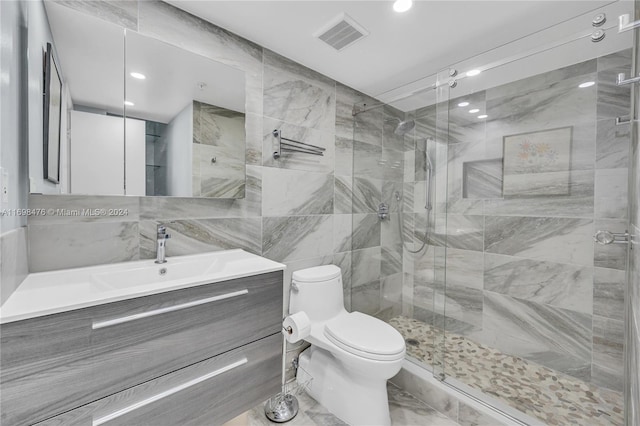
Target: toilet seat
x=365, y=336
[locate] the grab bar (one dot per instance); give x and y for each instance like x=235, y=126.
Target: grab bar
x=147, y=314
x=168, y=392
x=294, y=146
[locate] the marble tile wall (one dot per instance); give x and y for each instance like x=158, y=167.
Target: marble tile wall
x=218, y=132
x=13, y=261
x=522, y=273
x=377, y=176
x=297, y=210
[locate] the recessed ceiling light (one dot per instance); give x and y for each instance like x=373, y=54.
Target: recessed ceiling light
x=472, y=73
x=402, y=5
x=138, y=75
x=483, y=116
x=586, y=84
x=463, y=104
x=473, y=111
x=129, y=103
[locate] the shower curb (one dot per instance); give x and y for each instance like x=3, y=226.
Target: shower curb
x=456, y=400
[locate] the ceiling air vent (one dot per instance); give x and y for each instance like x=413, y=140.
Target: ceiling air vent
x=341, y=32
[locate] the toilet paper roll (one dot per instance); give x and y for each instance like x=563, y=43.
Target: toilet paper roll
x=296, y=327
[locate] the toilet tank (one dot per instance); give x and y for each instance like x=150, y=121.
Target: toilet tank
x=318, y=292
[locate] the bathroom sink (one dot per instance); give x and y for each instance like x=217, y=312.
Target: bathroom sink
x=150, y=273
x=45, y=293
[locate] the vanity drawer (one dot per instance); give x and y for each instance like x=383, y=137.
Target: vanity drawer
x=53, y=364
x=205, y=394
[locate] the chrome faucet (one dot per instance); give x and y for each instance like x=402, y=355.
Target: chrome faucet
x=161, y=238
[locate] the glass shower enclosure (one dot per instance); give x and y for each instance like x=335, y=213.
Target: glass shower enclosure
x=475, y=200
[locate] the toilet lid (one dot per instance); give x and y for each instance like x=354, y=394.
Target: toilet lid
x=316, y=274
x=365, y=336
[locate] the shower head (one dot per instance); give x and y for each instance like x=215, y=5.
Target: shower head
x=403, y=127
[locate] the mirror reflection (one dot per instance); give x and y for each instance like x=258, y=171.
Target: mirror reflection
x=144, y=117
x=191, y=119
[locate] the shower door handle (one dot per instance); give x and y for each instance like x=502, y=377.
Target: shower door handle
x=623, y=80
x=605, y=237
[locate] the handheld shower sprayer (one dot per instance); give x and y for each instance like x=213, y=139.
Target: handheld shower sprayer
x=428, y=168
x=429, y=172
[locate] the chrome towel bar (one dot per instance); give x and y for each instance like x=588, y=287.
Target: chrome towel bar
x=293, y=146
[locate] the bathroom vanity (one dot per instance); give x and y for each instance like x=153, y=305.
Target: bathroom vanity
x=198, y=347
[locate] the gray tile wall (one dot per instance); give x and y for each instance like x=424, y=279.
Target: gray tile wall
x=376, y=174
x=523, y=274
x=13, y=261
x=296, y=209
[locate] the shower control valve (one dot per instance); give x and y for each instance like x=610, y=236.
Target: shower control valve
x=383, y=211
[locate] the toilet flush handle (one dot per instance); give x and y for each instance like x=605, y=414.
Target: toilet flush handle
x=294, y=286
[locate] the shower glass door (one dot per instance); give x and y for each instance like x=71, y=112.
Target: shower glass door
x=397, y=201
x=537, y=156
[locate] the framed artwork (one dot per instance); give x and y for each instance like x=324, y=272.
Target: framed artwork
x=537, y=163
x=51, y=118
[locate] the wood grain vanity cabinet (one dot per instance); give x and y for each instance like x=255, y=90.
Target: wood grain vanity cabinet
x=194, y=356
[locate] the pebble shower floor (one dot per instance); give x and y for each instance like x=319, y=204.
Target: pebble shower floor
x=555, y=398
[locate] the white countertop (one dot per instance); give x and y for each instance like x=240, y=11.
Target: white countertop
x=47, y=293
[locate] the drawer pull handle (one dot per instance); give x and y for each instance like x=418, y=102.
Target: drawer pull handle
x=128, y=318
x=168, y=392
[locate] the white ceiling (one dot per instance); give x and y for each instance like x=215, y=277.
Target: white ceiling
x=401, y=48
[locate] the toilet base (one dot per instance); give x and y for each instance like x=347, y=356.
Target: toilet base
x=355, y=399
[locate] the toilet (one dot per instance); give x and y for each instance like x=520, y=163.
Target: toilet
x=352, y=355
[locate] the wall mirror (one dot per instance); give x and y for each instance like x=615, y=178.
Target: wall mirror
x=143, y=117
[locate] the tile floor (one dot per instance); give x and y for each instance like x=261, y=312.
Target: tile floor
x=555, y=398
x=405, y=411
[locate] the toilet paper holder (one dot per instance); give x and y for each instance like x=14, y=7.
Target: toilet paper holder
x=288, y=330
